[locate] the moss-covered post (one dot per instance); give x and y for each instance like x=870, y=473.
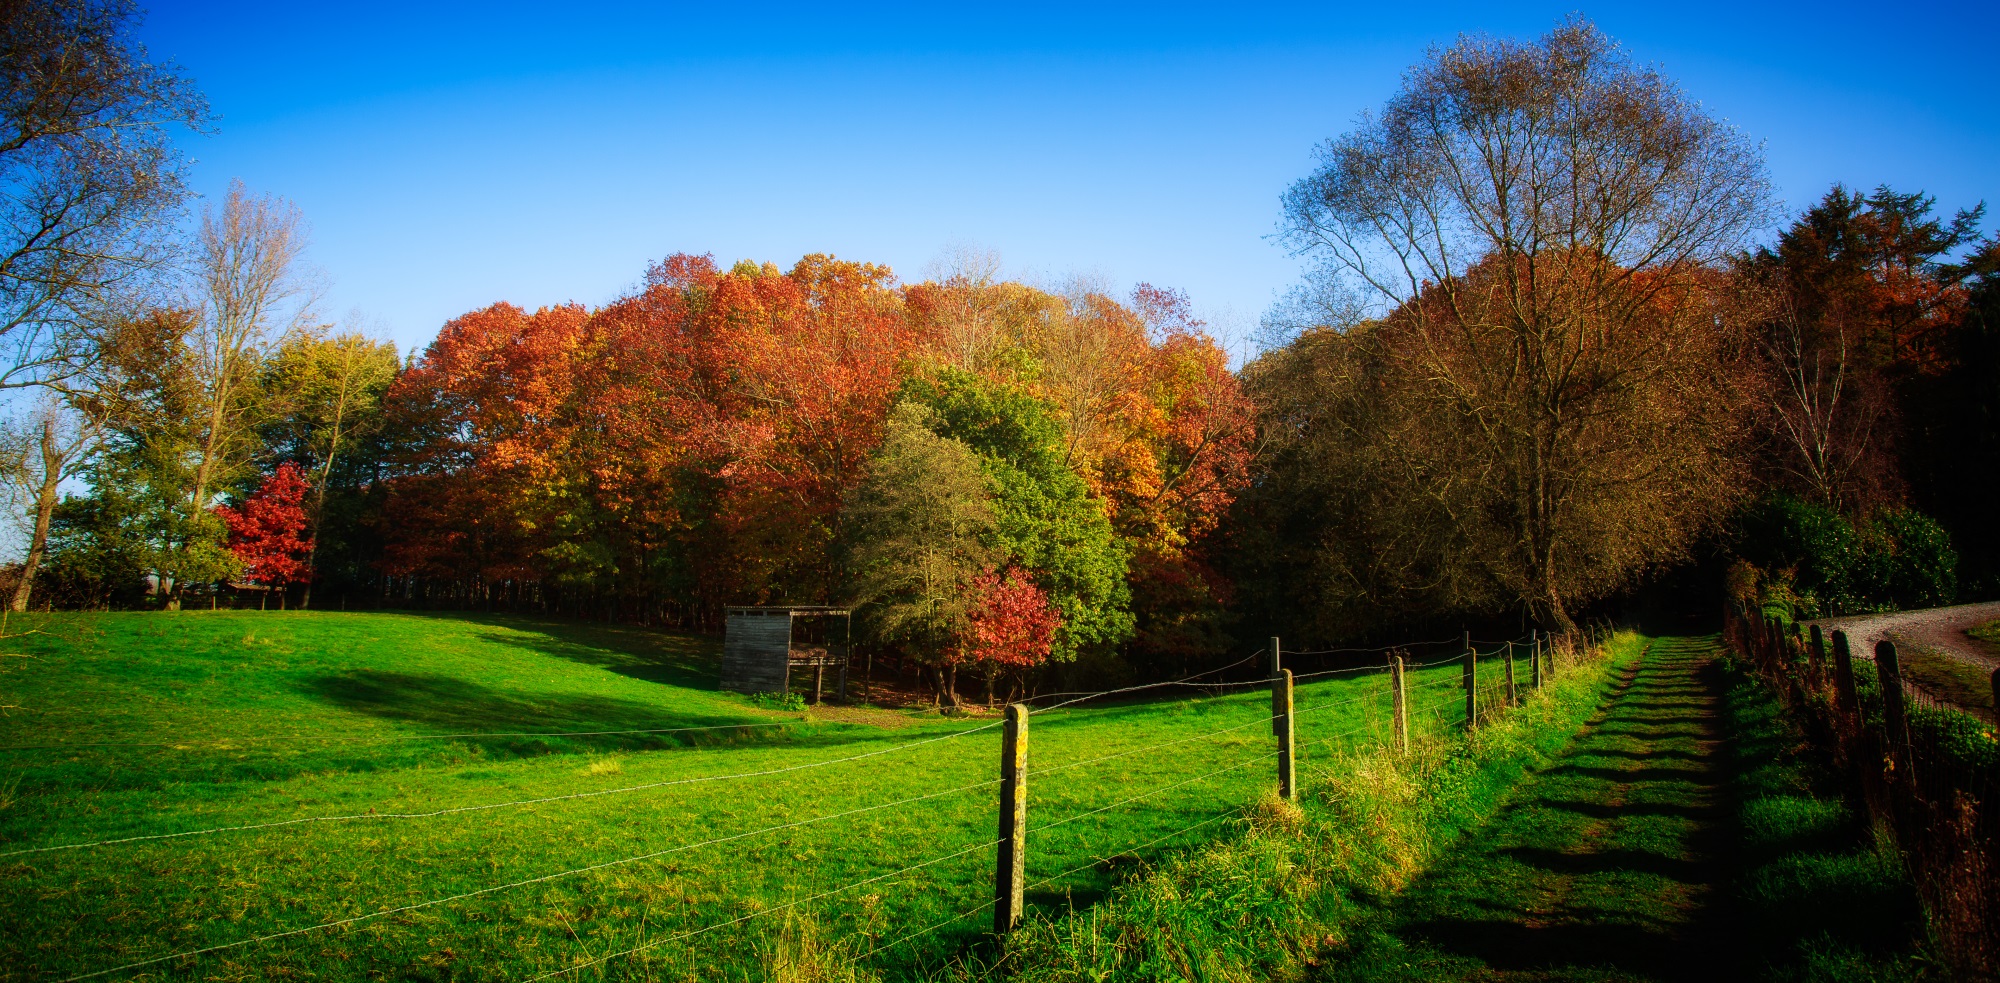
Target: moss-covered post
x=1281, y=721
x=1471, y=683
x=1400, y=705
x=1511, y=700
x=1535, y=658
x=1010, y=867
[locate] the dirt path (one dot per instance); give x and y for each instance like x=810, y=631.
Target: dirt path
x=1608, y=865
x=1940, y=634
x=1942, y=629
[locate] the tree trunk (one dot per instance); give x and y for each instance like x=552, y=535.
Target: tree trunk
x=38, y=543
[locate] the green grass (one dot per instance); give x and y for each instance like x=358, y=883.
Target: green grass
x=1989, y=632
x=1819, y=900
x=139, y=724
x=1951, y=679
x=1290, y=896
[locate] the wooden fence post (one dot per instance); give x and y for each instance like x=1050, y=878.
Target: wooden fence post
x=1511, y=699
x=1277, y=667
x=1891, y=671
x=1535, y=658
x=1471, y=683
x=1281, y=722
x=1843, y=673
x=1011, y=865
x=1400, y=707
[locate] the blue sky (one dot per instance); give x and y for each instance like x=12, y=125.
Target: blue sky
x=449, y=157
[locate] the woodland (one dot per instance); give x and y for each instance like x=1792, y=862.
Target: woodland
x=1557, y=346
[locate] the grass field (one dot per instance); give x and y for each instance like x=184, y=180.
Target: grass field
x=138, y=725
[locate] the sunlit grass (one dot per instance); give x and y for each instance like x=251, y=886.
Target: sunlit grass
x=184, y=703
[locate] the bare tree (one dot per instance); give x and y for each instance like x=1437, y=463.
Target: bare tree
x=47, y=448
x=88, y=175
x=1538, y=224
x=253, y=291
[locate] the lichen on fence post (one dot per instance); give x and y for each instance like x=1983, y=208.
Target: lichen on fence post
x=1011, y=864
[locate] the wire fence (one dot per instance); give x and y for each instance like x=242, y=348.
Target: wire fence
x=1211, y=772
x=1925, y=772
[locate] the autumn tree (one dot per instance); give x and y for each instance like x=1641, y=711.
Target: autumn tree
x=1011, y=623
x=267, y=533
x=918, y=531
x=333, y=386
x=1539, y=402
x=1045, y=520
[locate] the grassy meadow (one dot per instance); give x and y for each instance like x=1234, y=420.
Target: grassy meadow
x=143, y=724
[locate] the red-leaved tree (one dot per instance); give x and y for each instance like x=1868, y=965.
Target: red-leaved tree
x=1012, y=624
x=266, y=534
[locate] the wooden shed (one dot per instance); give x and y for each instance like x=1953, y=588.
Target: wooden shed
x=762, y=645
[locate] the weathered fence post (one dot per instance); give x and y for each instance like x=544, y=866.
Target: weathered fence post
x=1535, y=658
x=1843, y=673
x=1277, y=667
x=1400, y=707
x=1510, y=674
x=1011, y=865
x=1471, y=683
x=1891, y=671
x=1281, y=722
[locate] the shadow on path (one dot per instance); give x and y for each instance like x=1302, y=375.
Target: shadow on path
x=1608, y=865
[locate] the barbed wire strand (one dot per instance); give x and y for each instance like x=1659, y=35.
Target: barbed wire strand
x=527, y=881
x=1083, y=696
x=699, y=779
x=1149, y=794
x=1260, y=721
x=1037, y=884
x=607, y=957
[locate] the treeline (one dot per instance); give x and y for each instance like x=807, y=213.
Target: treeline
x=1542, y=357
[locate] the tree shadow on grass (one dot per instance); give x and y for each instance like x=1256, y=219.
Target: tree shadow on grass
x=679, y=659
x=451, y=705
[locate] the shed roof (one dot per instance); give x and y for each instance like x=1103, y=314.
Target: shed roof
x=773, y=611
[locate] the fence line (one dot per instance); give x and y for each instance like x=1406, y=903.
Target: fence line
x=537, y=880
x=1369, y=727
x=699, y=779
